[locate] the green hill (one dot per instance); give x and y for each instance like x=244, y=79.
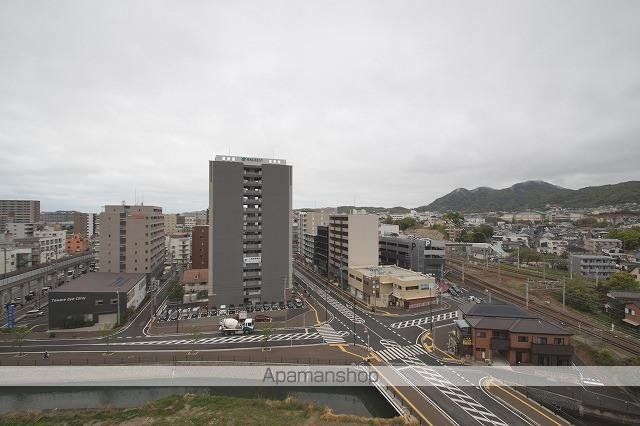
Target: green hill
x=534, y=195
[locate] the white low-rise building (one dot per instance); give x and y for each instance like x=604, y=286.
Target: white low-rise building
x=178, y=248
x=553, y=246
x=52, y=244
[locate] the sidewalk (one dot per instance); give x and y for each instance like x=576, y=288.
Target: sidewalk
x=315, y=355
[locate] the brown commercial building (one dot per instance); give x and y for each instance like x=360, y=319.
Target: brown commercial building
x=131, y=239
x=77, y=243
x=200, y=247
x=493, y=331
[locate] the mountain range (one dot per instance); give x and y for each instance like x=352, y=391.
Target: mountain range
x=534, y=195
x=523, y=196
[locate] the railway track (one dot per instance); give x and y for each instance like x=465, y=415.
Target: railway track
x=579, y=323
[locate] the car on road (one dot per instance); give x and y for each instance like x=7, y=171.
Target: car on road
x=262, y=318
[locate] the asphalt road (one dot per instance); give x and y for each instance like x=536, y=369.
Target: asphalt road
x=466, y=405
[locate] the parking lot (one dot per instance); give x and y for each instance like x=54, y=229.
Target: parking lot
x=195, y=311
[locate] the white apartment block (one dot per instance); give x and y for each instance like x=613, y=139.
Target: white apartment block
x=308, y=223
x=52, y=244
x=179, y=248
x=598, y=245
x=553, y=246
x=20, y=230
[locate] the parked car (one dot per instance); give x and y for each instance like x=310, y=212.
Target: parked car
x=266, y=306
x=262, y=318
x=174, y=316
x=222, y=310
x=290, y=304
x=281, y=305
x=298, y=303
x=258, y=307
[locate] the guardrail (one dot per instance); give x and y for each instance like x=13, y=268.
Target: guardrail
x=14, y=278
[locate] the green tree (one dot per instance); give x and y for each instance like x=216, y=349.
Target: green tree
x=630, y=237
x=176, y=292
x=388, y=220
x=455, y=218
x=526, y=255
x=406, y=223
x=620, y=281
x=107, y=338
x=267, y=331
x=19, y=336
x=582, y=296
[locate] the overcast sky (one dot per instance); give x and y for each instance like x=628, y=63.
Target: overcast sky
x=385, y=103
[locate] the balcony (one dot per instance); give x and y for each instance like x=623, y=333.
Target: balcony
x=547, y=349
x=499, y=344
x=252, y=173
x=251, y=237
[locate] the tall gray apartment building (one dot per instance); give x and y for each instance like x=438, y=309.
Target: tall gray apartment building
x=250, y=230
x=131, y=239
x=19, y=211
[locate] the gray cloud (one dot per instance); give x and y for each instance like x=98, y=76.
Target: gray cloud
x=386, y=103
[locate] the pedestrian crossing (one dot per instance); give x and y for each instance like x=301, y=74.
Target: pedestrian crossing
x=347, y=312
x=330, y=335
x=245, y=338
x=400, y=352
x=426, y=320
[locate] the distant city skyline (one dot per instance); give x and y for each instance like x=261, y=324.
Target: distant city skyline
x=372, y=103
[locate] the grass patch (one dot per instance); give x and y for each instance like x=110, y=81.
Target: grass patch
x=192, y=409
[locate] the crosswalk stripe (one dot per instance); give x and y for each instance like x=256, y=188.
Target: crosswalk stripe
x=425, y=320
x=400, y=352
x=329, y=334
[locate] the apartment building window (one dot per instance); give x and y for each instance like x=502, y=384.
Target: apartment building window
x=523, y=339
x=481, y=334
x=542, y=340
x=558, y=341
x=114, y=301
x=99, y=302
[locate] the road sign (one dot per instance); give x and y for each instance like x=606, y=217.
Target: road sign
x=11, y=316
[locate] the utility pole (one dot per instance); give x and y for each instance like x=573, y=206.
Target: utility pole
x=518, y=257
x=463, y=273
x=527, y=293
x=353, y=307
x=499, y=280
x=564, y=288
x=118, y=296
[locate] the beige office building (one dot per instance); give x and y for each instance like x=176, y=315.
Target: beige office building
x=170, y=222
x=353, y=241
x=131, y=239
x=391, y=285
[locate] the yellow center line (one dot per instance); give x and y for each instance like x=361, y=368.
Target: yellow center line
x=318, y=322
x=508, y=391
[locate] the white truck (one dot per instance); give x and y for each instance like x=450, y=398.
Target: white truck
x=233, y=326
